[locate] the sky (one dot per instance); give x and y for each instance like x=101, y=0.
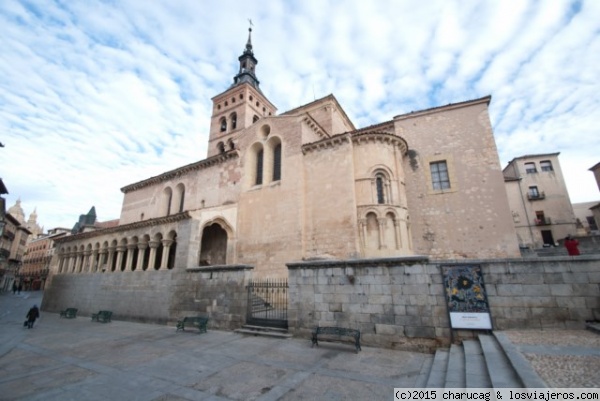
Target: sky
x=96, y=95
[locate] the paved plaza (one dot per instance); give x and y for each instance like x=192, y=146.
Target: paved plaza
x=77, y=359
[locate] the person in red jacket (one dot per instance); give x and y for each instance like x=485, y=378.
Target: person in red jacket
x=572, y=245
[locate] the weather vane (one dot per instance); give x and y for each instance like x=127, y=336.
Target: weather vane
x=251, y=24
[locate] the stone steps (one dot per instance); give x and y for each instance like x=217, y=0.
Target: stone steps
x=264, y=331
x=489, y=361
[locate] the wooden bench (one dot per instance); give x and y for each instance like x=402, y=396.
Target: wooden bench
x=194, y=321
x=335, y=334
x=69, y=313
x=102, y=316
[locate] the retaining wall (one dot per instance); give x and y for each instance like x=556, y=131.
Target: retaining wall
x=155, y=296
x=396, y=303
x=401, y=303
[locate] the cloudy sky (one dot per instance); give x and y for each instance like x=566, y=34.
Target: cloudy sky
x=96, y=95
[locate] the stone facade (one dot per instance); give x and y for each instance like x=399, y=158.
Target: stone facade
x=539, y=201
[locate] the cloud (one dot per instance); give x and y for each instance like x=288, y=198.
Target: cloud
x=99, y=95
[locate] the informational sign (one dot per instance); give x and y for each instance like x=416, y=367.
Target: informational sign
x=467, y=300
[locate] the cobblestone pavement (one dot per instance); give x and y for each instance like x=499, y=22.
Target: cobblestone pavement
x=562, y=358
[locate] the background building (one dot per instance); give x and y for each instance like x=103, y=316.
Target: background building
x=38, y=256
x=541, y=208
x=595, y=209
x=596, y=170
x=12, y=248
x=584, y=216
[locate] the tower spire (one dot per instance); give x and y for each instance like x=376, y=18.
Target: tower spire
x=248, y=63
x=249, y=42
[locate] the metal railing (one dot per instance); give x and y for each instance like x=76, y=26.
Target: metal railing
x=267, y=302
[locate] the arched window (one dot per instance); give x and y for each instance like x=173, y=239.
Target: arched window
x=379, y=184
x=146, y=253
x=223, y=124
x=277, y=162
x=159, y=252
x=166, y=202
x=179, y=197
x=172, y=253
x=221, y=147
x=381, y=187
x=259, y=167
x=135, y=254
x=233, y=120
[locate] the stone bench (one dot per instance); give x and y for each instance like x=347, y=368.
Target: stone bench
x=199, y=322
x=69, y=313
x=336, y=334
x=102, y=316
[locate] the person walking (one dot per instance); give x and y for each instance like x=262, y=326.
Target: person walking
x=14, y=287
x=572, y=245
x=32, y=315
x=19, y=288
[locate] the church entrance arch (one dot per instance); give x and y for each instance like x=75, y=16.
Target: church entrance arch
x=213, y=248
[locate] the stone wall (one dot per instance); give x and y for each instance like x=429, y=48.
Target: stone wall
x=401, y=303
x=131, y=296
x=395, y=303
x=471, y=218
x=156, y=296
x=216, y=291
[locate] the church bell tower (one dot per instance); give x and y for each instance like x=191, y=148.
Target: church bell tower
x=240, y=106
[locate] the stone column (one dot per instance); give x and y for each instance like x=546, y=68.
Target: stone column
x=129, y=262
x=398, y=234
x=61, y=262
x=65, y=263
x=362, y=233
x=151, y=260
x=103, y=261
x=120, y=250
x=78, y=262
x=387, y=190
x=86, y=261
x=109, y=262
x=71, y=263
x=95, y=261
x=165, y=254
x=141, y=252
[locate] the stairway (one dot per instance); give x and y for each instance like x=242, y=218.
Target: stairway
x=489, y=361
x=264, y=331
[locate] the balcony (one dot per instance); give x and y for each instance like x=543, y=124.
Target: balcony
x=538, y=196
x=4, y=253
x=543, y=222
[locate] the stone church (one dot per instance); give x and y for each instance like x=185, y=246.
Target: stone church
x=307, y=184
